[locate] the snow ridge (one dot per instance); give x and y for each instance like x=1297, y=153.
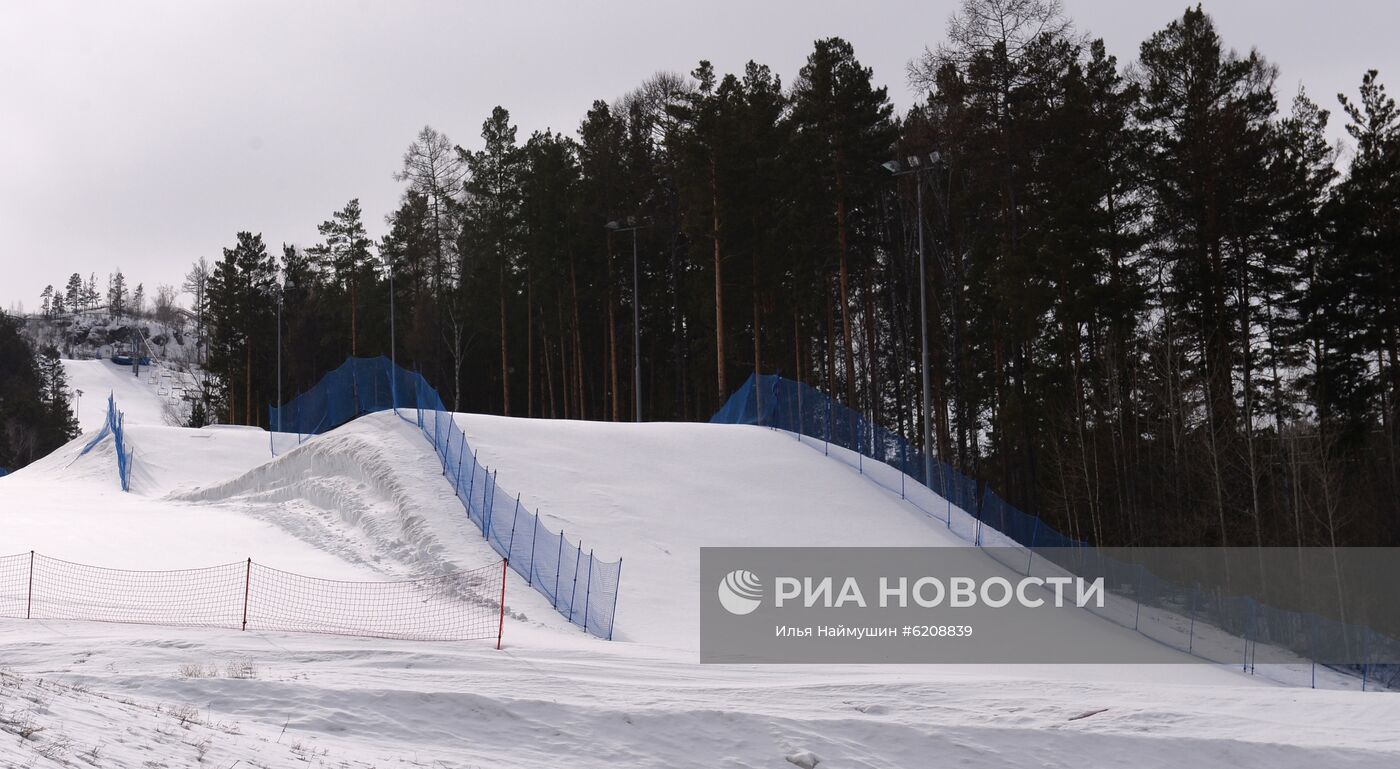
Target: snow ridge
x=352, y=492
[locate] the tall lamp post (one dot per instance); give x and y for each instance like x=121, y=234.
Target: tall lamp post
x=632, y=227
x=281, y=291
x=914, y=165
x=393, y=352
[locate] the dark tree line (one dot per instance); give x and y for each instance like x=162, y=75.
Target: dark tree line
x=1162, y=309
x=36, y=415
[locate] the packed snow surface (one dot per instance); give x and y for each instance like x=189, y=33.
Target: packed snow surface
x=368, y=501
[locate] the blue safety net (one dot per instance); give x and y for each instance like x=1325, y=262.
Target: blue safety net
x=582, y=588
x=114, y=425
x=1202, y=623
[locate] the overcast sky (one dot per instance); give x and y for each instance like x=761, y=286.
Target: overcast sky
x=143, y=136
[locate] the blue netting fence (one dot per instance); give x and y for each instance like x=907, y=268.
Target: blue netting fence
x=114, y=425
x=1209, y=625
x=582, y=588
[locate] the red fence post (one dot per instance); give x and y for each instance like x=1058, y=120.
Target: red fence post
x=501, y=623
x=29, y=602
x=247, y=584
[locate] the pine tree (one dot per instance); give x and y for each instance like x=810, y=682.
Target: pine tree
x=841, y=134
x=30, y=426
x=242, y=317
x=60, y=423
x=74, y=292
x=490, y=239
x=345, y=253
x=1368, y=214
x=1207, y=115
x=90, y=295
x=196, y=284
x=117, y=296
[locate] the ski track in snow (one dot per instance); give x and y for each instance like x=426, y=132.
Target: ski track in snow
x=368, y=501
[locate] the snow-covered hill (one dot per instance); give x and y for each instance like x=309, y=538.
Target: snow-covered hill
x=96, y=333
x=368, y=502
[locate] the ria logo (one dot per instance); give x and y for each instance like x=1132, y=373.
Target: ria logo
x=740, y=592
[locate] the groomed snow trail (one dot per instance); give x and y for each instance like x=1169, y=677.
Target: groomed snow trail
x=136, y=396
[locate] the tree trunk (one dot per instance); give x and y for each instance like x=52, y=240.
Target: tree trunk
x=722, y=383
x=353, y=348
x=580, y=408
x=247, y=383
x=549, y=379
x=871, y=368
x=848, y=345
x=757, y=322
x=505, y=359
x=615, y=386
x=830, y=342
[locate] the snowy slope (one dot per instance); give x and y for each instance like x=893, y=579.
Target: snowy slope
x=368, y=501
x=137, y=397
x=656, y=493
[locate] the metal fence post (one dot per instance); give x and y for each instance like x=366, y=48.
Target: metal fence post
x=247, y=588
x=29, y=602
x=826, y=444
x=903, y=464
x=501, y=623
x=573, y=593
x=588, y=589
x=510, y=548
x=1034, y=530
x=437, y=431
x=457, y=482
x=860, y=452
x=800, y=415
x=558, y=567
x=445, y=452
x=946, y=496
x=1191, y=631
x=489, y=505
x=1365, y=656
x=612, y=619
x=471, y=483
x=534, y=538
x=1249, y=628
x=1137, y=594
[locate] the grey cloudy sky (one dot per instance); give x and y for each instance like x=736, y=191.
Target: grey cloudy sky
x=144, y=135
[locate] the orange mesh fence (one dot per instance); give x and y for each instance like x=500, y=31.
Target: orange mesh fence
x=453, y=607
x=463, y=605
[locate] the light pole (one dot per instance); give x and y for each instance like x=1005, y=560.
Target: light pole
x=916, y=167
x=78, y=405
x=632, y=227
x=281, y=291
x=393, y=354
